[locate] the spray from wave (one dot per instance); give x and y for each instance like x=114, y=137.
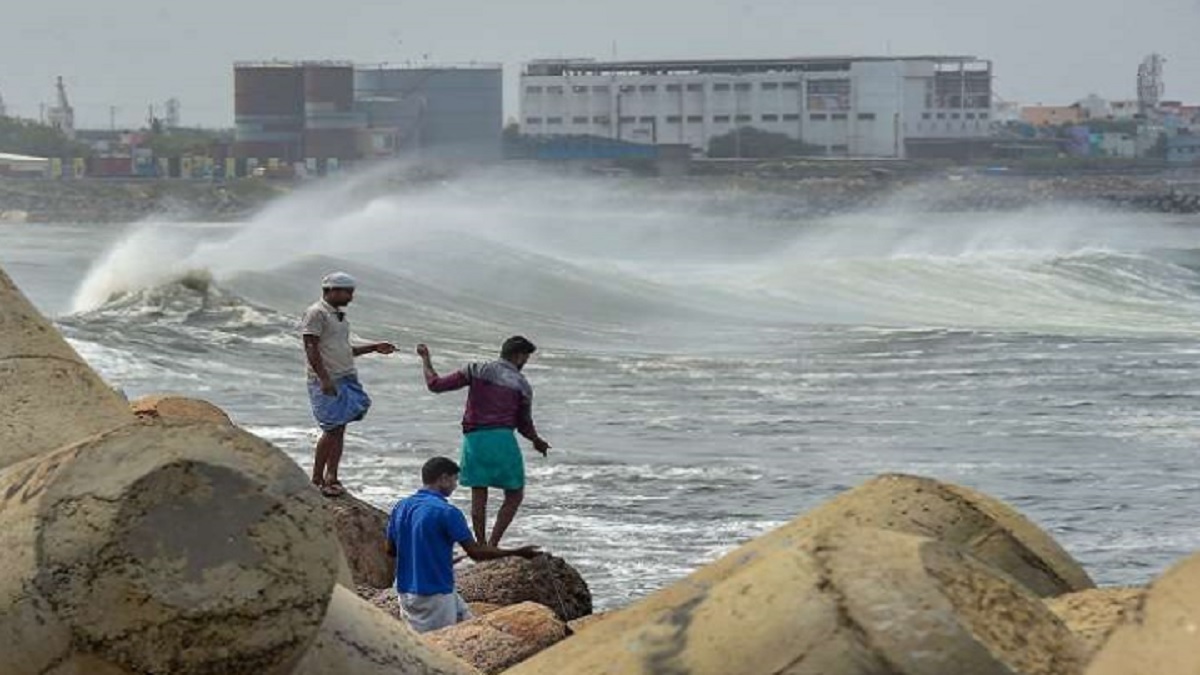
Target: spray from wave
x=572, y=250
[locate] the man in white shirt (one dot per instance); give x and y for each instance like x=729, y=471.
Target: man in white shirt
x=334, y=391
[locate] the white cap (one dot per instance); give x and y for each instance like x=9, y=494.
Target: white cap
x=338, y=280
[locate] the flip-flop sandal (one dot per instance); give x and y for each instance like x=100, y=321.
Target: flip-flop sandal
x=332, y=490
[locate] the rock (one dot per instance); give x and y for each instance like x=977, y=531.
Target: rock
x=546, y=580
x=362, y=531
x=579, y=625
x=178, y=408
x=358, y=639
x=852, y=601
x=503, y=638
x=483, y=608
x=983, y=526
x=1094, y=614
x=388, y=602
x=186, y=548
x=1159, y=635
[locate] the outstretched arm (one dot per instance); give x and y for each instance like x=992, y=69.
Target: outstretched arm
x=435, y=383
x=375, y=348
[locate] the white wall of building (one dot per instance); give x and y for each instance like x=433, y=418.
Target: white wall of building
x=868, y=110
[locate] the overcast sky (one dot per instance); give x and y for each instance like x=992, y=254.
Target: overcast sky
x=130, y=53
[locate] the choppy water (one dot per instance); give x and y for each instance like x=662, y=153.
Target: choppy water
x=706, y=373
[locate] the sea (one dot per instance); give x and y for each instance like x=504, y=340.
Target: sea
x=710, y=363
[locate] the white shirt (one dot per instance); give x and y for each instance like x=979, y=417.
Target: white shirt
x=333, y=336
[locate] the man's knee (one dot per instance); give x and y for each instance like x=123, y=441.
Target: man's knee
x=514, y=497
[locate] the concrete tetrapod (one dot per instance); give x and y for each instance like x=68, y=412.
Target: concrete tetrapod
x=1159, y=637
x=902, y=503
x=981, y=525
x=853, y=602
x=188, y=548
x=51, y=397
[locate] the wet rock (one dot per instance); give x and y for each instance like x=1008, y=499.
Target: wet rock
x=1094, y=614
x=852, y=601
x=546, y=580
x=503, y=638
x=162, y=406
x=362, y=530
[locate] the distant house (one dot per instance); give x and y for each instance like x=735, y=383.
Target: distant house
x=1124, y=110
x=23, y=165
x=1052, y=115
x=1183, y=149
x=1114, y=144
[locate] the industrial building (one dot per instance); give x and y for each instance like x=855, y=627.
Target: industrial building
x=453, y=113
x=291, y=112
x=848, y=106
x=322, y=113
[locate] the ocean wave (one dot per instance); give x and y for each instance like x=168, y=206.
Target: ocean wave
x=485, y=255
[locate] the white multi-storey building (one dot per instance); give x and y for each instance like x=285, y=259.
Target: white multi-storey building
x=851, y=106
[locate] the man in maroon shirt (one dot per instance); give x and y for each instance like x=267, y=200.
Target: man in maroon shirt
x=499, y=401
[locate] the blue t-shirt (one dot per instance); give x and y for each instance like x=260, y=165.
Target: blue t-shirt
x=424, y=529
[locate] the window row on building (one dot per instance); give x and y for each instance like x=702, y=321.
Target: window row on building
x=836, y=87
x=653, y=88
x=955, y=116
x=698, y=119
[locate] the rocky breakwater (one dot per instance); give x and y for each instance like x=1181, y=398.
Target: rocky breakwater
x=164, y=546
x=124, y=201
x=176, y=543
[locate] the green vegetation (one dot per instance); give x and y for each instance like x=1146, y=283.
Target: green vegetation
x=24, y=137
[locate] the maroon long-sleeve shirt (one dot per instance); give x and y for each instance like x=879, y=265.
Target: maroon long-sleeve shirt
x=499, y=397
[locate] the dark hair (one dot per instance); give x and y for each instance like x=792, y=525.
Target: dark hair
x=436, y=468
x=516, y=345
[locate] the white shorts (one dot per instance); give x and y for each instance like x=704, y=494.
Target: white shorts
x=427, y=613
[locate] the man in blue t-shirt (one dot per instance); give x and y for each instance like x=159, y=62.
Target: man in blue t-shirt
x=421, y=535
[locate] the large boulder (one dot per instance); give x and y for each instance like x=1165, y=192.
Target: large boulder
x=161, y=406
x=1159, y=636
x=1094, y=614
x=979, y=524
x=358, y=639
x=502, y=638
x=182, y=548
x=852, y=601
x=362, y=530
x=546, y=580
